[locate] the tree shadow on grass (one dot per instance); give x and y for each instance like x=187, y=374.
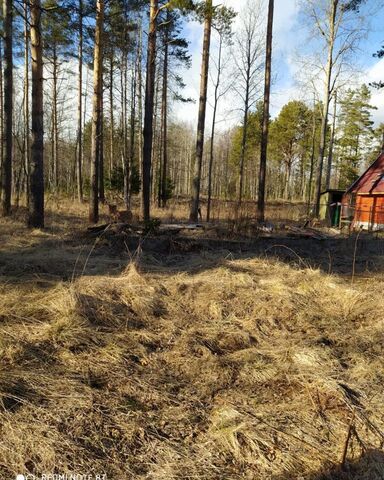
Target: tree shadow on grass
x=340, y=256
x=26, y=255
x=370, y=466
x=65, y=253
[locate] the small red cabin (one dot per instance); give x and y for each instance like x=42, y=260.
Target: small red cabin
x=363, y=202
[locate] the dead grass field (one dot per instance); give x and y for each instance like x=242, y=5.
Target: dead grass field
x=199, y=365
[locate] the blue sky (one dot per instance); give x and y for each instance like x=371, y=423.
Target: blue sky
x=290, y=38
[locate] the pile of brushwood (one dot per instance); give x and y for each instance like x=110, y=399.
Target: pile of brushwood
x=249, y=369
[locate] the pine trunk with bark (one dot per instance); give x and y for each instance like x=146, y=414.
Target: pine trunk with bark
x=112, y=116
x=140, y=99
x=265, y=129
x=1, y=118
x=101, y=148
x=132, y=141
x=96, y=113
x=202, y=110
x=26, y=101
x=164, y=121
x=36, y=188
x=8, y=108
x=124, y=125
x=79, y=151
x=148, y=111
x=55, y=133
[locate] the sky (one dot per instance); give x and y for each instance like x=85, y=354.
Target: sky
x=289, y=37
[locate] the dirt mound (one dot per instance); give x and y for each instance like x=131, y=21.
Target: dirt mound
x=249, y=370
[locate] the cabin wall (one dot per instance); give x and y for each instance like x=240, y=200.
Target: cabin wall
x=369, y=212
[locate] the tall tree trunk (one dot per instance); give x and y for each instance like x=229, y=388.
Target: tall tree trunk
x=327, y=93
x=245, y=127
x=124, y=126
x=212, y=145
x=8, y=108
x=156, y=147
x=96, y=113
x=1, y=118
x=112, y=116
x=140, y=99
x=148, y=111
x=79, y=152
x=124, y=110
x=85, y=102
x=36, y=204
x=331, y=145
x=132, y=144
x=202, y=109
x=242, y=152
x=26, y=100
x=55, y=145
x=264, y=136
x=164, y=119
x=100, y=136
x=287, y=181
x=312, y=161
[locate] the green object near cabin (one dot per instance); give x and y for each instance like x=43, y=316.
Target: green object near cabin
x=330, y=207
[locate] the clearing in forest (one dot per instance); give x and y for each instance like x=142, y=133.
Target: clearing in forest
x=204, y=365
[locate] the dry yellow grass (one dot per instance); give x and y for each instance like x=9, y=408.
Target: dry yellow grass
x=65, y=214
x=247, y=370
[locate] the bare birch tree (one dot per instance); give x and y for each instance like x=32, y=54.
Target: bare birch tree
x=340, y=27
x=247, y=54
x=331, y=143
x=223, y=26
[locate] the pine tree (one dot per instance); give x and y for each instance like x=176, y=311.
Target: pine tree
x=355, y=132
x=289, y=139
x=223, y=26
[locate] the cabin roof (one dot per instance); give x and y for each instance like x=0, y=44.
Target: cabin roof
x=372, y=180
x=333, y=190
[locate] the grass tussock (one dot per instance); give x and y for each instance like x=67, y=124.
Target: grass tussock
x=249, y=370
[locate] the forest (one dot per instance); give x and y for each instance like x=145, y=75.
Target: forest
x=191, y=239
x=90, y=91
